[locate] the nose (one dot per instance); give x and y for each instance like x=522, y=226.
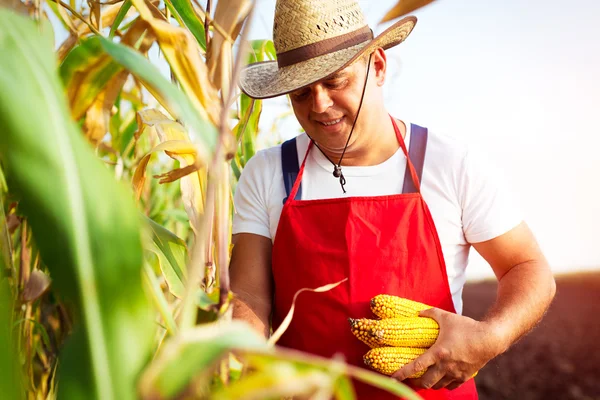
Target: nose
x=321, y=100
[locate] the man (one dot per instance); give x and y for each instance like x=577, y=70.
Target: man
x=350, y=200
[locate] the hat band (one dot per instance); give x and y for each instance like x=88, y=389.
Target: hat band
x=324, y=47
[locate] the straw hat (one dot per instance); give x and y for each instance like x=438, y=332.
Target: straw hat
x=314, y=39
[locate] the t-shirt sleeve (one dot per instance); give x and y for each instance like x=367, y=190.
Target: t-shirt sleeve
x=250, y=198
x=489, y=204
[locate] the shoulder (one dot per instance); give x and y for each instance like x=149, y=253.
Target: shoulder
x=445, y=149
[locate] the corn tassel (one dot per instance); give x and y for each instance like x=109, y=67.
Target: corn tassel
x=388, y=306
x=388, y=360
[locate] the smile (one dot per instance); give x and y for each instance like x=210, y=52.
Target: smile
x=329, y=123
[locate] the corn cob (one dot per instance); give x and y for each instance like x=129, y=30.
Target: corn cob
x=405, y=332
x=361, y=328
x=388, y=360
x=388, y=306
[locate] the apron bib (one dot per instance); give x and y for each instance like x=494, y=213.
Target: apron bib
x=382, y=244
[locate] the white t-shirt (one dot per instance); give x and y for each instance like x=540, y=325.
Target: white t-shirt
x=468, y=198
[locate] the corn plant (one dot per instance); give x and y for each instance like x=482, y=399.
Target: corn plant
x=115, y=285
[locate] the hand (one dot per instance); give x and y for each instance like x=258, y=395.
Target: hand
x=463, y=347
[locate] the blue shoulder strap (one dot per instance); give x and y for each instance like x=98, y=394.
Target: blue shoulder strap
x=290, y=167
x=416, y=153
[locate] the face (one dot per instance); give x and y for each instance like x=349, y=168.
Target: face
x=327, y=109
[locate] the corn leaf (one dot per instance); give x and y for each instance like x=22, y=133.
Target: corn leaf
x=229, y=16
x=260, y=359
x=176, y=143
x=183, y=54
x=85, y=72
x=278, y=380
x=119, y=18
x=190, y=19
x=288, y=318
x=344, y=389
x=173, y=99
x=172, y=254
x=193, y=351
x=404, y=7
x=85, y=224
x=10, y=378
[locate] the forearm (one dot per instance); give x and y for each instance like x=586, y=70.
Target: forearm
x=254, y=313
x=524, y=294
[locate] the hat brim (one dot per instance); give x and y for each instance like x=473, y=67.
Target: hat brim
x=265, y=79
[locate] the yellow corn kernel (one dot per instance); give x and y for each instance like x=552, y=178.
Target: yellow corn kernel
x=361, y=328
x=388, y=360
x=405, y=332
x=388, y=306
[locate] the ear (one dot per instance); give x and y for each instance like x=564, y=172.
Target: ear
x=379, y=66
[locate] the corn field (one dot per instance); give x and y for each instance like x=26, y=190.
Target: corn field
x=117, y=171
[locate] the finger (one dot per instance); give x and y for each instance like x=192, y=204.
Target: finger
x=454, y=385
x=420, y=363
x=434, y=313
x=445, y=382
x=430, y=378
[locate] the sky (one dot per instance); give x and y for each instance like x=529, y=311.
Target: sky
x=521, y=79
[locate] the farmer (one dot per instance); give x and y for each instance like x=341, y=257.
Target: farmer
x=382, y=202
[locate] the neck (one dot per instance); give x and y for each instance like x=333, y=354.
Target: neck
x=371, y=143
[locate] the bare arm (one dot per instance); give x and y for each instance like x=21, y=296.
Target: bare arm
x=251, y=280
x=526, y=285
x=525, y=290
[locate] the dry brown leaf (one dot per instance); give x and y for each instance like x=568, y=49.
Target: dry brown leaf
x=404, y=7
x=37, y=284
x=97, y=117
x=183, y=54
x=109, y=13
x=66, y=47
x=176, y=174
x=288, y=318
x=66, y=18
x=176, y=143
x=229, y=16
x=172, y=146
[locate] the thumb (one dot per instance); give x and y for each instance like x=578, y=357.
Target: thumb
x=434, y=313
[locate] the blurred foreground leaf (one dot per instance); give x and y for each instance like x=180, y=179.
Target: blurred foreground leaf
x=85, y=224
x=10, y=378
x=193, y=352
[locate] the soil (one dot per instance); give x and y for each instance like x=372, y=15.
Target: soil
x=560, y=358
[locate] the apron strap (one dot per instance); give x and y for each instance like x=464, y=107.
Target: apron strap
x=416, y=153
x=290, y=167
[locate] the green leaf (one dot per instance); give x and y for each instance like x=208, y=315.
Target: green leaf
x=173, y=99
x=10, y=378
x=344, y=389
x=172, y=255
x=119, y=18
x=85, y=224
x=261, y=359
x=191, y=20
x=183, y=357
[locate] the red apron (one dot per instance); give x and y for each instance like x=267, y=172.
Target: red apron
x=382, y=244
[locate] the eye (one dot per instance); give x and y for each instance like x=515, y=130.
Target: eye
x=336, y=83
x=299, y=95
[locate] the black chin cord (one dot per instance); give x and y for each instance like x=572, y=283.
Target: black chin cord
x=337, y=168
